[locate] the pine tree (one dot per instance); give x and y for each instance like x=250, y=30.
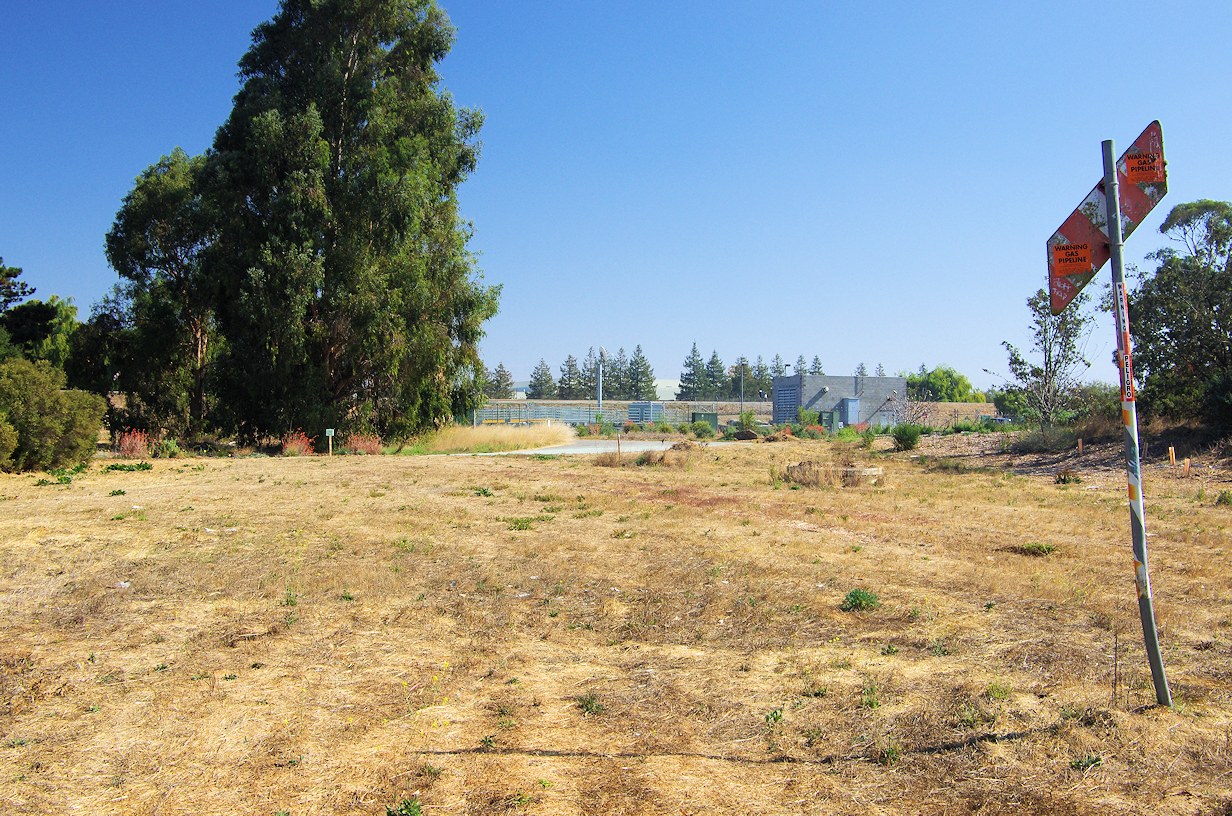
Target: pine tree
x=542, y=386
x=692, y=376
x=861, y=370
x=879, y=371
x=569, y=386
x=640, y=378
x=616, y=376
x=740, y=379
x=778, y=368
x=590, y=375
x=499, y=384
x=716, y=378
x=801, y=365
x=816, y=368
x=762, y=381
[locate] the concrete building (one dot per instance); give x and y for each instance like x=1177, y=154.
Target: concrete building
x=840, y=400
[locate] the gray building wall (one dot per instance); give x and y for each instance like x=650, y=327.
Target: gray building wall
x=876, y=396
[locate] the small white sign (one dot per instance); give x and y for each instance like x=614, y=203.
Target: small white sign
x=329, y=431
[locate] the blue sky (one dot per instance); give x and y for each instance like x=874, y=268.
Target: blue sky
x=868, y=182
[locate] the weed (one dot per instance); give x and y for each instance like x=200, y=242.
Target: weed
x=429, y=771
x=1224, y=498
x=119, y=466
x=116, y=492
x=998, y=691
x=870, y=695
x=346, y=595
x=483, y=491
x=407, y=807
x=133, y=445
x=589, y=704
x=860, y=600
x=1067, y=476
x=890, y=753
x=488, y=742
x=546, y=784
x=773, y=717
x=1035, y=548
x=939, y=647
x=297, y=443
x=1087, y=762
x=291, y=598
x=889, y=649
x=623, y=533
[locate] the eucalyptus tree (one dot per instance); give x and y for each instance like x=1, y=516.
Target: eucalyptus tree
x=346, y=292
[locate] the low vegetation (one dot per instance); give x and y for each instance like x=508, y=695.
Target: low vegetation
x=369, y=634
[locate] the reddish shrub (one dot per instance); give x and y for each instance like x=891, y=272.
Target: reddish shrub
x=369, y=444
x=133, y=445
x=297, y=443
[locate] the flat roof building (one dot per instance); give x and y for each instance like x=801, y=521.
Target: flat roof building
x=852, y=400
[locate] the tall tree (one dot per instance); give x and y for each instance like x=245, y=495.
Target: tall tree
x=861, y=370
x=640, y=378
x=569, y=386
x=11, y=289
x=42, y=330
x=716, y=378
x=156, y=245
x=740, y=377
x=692, y=377
x=816, y=367
x=1181, y=318
x=616, y=376
x=590, y=375
x=347, y=294
x=762, y=379
x=801, y=366
x=499, y=383
x=542, y=386
x=778, y=367
x=1048, y=382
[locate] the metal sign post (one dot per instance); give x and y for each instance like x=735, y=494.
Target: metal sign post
x=1093, y=234
x=1129, y=416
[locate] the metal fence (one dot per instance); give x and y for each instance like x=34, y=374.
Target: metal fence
x=533, y=412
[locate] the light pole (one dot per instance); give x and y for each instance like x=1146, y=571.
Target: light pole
x=602, y=354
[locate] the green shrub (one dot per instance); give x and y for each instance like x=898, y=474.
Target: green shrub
x=860, y=600
x=1224, y=498
x=166, y=449
x=906, y=436
x=50, y=427
x=702, y=429
x=807, y=417
x=663, y=426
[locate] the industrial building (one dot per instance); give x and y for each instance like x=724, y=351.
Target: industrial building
x=840, y=401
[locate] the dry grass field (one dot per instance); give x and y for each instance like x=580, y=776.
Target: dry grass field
x=529, y=635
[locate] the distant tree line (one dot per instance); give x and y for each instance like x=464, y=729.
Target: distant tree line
x=625, y=377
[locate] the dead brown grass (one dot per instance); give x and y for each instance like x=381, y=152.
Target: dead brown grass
x=516, y=635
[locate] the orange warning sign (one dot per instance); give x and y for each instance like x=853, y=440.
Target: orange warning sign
x=1071, y=259
x=1144, y=168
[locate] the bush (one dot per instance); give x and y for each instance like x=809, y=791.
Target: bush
x=702, y=429
x=906, y=436
x=366, y=444
x=663, y=426
x=133, y=445
x=860, y=600
x=166, y=449
x=297, y=443
x=50, y=427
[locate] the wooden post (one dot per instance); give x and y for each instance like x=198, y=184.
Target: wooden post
x=1172, y=456
x=1080, y=446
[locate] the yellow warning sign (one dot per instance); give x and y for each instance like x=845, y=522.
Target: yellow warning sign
x=1071, y=259
x=1144, y=168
